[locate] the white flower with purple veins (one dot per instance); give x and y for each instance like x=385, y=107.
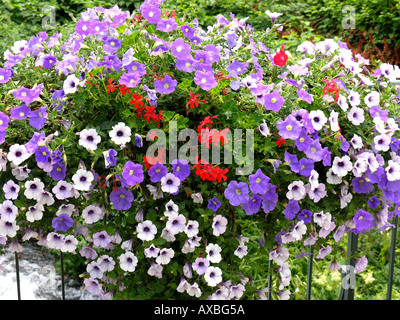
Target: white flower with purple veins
x=33, y=188
x=388, y=71
x=8, y=211
x=35, y=213
x=171, y=208
x=176, y=223
x=382, y=142
x=318, y=119
x=370, y=160
x=327, y=46
x=55, y=240
x=264, y=129
x=19, y=46
x=62, y=190
x=299, y=230
x=342, y=166
x=356, y=115
x=70, y=244
x=45, y=198
x=323, y=252
x=306, y=47
x=213, y=253
x=219, y=225
x=296, y=191
x=170, y=183
x=120, y=134
x=333, y=120
x=146, y=230
x=356, y=142
x=92, y=213
x=20, y=173
x=167, y=235
x=89, y=139
x=151, y=252
x=94, y=270
x=71, y=84
x=372, y=99
x=17, y=154
x=359, y=167
x=128, y=261
x=213, y=276
x=155, y=270
x=342, y=103
x=354, y=98
x=65, y=209
x=322, y=219
x=241, y=251
x=192, y=228
x=82, y=180
x=317, y=193
x=8, y=229
x=11, y=190
x=165, y=256
x=393, y=171
x=194, y=290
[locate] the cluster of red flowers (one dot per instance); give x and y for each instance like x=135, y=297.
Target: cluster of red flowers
x=208, y=172
x=331, y=88
x=147, y=112
x=208, y=135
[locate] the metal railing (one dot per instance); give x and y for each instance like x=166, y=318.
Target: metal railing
x=346, y=293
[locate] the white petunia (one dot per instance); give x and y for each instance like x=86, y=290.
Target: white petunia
x=82, y=180
x=120, y=134
x=89, y=139
x=356, y=115
x=341, y=166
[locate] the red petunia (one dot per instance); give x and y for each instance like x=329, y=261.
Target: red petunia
x=281, y=57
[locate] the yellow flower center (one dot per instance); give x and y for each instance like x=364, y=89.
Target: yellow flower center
x=158, y=170
x=301, y=139
x=23, y=94
x=21, y=114
x=131, y=172
x=204, y=80
x=1, y=77
x=122, y=196
x=84, y=28
x=58, y=169
x=166, y=86
x=187, y=64
x=258, y=180
x=273, y=100
x=134, y=68
x=44, y=153
x=112, y=43
x=238, y=191
x=1, y=122
x=313, y=150
x=289, y=127
x=179, y=49
x=151, y=14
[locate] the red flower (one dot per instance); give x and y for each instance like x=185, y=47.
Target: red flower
x=110, y=87
x=281, y=57
x=280, y=142
x=193, y=101
x=331, y=88
x=207, y=172
x=124, y=89
x=136, y=100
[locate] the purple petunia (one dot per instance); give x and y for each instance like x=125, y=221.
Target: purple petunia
x=181, y=169
x=291, y=209
x=187, y=31
x=37, y=118
x=157, y=171
x=305, y=167
x=62, y=223
x=289, y=128
x=121, y=199
x=180, y=49
x=166, y=85
x=167, y=25
x=133, y=173
x=49, y=62
x=305, y=215
x=258, y=182
x=238, y=67
x=273, y=101
x=20, y=113
x=214, y=204
x=205, y=80
x=253, y=205
x=109, y=158
x=4, y=120
x=373, y=202
x=130, y=80
x=363, y=220
x=237, y=193
x=151, y=13
x=28, y=95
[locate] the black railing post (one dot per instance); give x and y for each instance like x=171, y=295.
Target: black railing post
x=347, y=289
x=17, y=275
x=391, y=259
x=62, y=276
x=309, y=272
x=269, y=279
